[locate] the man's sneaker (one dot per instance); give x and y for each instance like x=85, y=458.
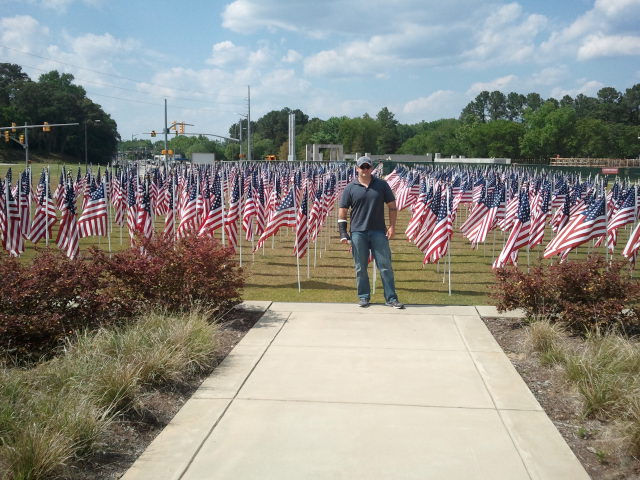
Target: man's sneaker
x=364, y=302
x=395, y=304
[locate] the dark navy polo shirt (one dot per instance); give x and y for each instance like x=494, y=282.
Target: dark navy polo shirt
x=367, y=204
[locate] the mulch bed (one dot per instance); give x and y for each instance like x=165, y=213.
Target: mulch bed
x=562, y=404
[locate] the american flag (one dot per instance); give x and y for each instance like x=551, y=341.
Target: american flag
x=45, y=215
x=188, y=214
x=68, y=234
x=132, y=207
x=284, y=216
x=248, y=213
x=624, y=215
x=489, y=220
x=424, y=234
x=214, y=218
x=13, y=241
x=633, y=244
x=519, y=236
x=232, y=215
x=302, y=228
x=540, y=219
x=144, y=222
x=169, y=230
x=24, y=202
x=93, y=220
x=473, y=221
x=315, y=214
x=589, y=224
x=59, y=193
x=442, y=231
x=118, y=199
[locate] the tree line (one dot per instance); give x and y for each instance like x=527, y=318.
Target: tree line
x=494, y=124
x=53, y=98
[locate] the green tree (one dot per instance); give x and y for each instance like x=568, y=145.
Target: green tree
x=549, y=131
x=499, y=138
x=389, y=139
x=515, y=106
x=497, y=105
x=631, y=105
x=610, y=107
x=440, y=136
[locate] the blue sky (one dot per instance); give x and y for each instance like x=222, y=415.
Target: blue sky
x=423, y=59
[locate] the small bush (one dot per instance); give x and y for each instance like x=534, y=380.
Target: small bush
x=586, y=295
x=176, y=276
x=54, y=297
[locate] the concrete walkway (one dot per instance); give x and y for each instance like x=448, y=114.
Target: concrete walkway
x=333, y=391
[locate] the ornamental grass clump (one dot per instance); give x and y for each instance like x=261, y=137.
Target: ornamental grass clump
x=55, y=412
x=606, y=372
x=546, y=339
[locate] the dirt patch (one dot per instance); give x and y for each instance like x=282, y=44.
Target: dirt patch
x=130, y=435
x=586, y=437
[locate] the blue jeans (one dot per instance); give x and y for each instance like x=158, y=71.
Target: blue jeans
x=378, y=243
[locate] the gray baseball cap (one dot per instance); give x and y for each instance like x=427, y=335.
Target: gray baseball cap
x=362, y=160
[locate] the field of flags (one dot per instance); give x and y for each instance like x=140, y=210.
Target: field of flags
x=549, y=209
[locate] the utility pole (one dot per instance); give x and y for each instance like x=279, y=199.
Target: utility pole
x=240, y=138
x=166, y=130
x=249, y=157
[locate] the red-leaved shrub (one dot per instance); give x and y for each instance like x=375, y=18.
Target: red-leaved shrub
x=176, y=276
x=53, y=297
x=584, y=294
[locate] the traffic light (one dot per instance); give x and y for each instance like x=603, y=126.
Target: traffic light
x=13, y=127
x=182, y=128
x=153, y=133
x=21, y=138
x=46, y=127
x=6, y=136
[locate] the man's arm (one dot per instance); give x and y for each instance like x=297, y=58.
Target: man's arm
x=342, y=225
x=393, y=216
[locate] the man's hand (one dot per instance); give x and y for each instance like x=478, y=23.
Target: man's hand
x=345, y=240
x=391, y=232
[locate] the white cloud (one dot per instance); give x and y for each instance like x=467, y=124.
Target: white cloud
x=586, y=87
x=610, y=28
x=549, y=76
x=427, y=105
x=600, y=45
x=507, y=36
x=225, y=53
x=502, y=84
x=292, y=57
x=24, y=33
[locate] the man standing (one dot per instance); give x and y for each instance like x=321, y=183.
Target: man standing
x=366, y=196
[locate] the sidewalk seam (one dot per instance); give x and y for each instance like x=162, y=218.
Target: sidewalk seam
x=475, y=365
x=206, y=437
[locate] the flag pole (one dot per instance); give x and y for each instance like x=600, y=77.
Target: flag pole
x=297, y=249
x=46, y=202
x=108, y=200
